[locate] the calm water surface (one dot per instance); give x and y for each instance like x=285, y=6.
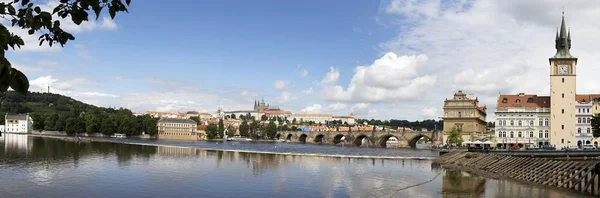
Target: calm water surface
x=47, y=167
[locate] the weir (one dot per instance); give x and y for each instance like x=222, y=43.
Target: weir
x=581, y=176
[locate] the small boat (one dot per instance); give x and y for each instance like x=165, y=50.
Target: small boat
x=239, y=139
x=119, y=136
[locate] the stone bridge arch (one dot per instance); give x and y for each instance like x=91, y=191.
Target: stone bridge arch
x=339, y=138
x=319, y=138
x=382, y=142
x=302, y=138
x=358, y=140
x=289, y=137
x=412, y=142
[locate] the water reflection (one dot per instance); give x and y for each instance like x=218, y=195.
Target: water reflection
x=34, y=167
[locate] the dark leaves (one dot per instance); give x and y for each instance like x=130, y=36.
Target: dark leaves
x=19, y=82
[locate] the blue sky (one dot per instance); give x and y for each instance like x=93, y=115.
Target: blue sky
x=379, y=59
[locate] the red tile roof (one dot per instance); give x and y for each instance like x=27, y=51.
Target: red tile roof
x=584, y=98
x=527, y=101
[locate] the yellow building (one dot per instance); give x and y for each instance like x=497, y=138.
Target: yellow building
x=464, y=112
x=177, y=129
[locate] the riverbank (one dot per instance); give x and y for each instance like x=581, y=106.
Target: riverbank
x=578, y=175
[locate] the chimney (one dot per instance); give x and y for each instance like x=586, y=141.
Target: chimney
x=521, y=94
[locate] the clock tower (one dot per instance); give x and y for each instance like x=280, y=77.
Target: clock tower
x=563, y=67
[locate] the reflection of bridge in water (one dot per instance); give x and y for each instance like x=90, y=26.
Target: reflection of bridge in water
x=358, y=138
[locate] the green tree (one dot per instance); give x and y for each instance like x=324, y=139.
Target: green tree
x=253, y=129
x=244, y=127
x=92, y=123
x=60, y=123
x=150, y=125
x=264, y=117
x=195, y=118
x=50, y=122
x=271, y=130
x=38, y=121
x=230, y=131
x=74, y=124
x=211, y=131
x=455, y=136
x=128, y=126
x=294, y=121
x=242, y=117
x=596, y=126
x=108, y=126
x=28, y=15
x=220, y=128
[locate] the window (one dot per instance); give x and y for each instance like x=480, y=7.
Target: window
x=504, y=123
x=546, y=122
x=541, y=134
x=562, y=126
x=578, y=120
x=530, y=100
x=588, y=110
x=530, y=134
x=563, y=80
x=519, y=134
x=578, y=130
x=541, y=122
x=504, y=100
x=578, y=109
x=531, y=123
x=460, y=114
x=588, y=130
x=512, y=134
x=546, y=134
x=518, y=101
x=512, y=123
x=563, y=111
x=562, y=141
x=589, y=120
x=520, y=123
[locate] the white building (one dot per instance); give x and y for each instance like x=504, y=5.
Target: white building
x=17, y=123
x=522, y=119
x=583, y=113
x=345, y=119
x=316, y=118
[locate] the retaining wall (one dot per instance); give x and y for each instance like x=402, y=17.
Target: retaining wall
x=579, y=175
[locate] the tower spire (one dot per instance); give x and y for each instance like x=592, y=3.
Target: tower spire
x=563, y=41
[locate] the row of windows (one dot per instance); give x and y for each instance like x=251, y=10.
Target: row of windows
x=589, y=130
x=174, y=134
x=175, y=125
x=585, y=110
x=175, y=129
x=543, y=122
x=580, y=120
x=521, y=134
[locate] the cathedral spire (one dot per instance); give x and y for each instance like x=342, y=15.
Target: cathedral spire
x=563, y=41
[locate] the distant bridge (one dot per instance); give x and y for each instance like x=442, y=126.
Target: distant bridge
x=359, y=138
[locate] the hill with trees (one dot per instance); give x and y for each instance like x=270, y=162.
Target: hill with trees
x=55, y=112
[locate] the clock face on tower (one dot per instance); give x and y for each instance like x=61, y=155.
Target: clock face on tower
x=562, y=69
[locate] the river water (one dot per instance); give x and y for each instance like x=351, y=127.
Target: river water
x=48, y=167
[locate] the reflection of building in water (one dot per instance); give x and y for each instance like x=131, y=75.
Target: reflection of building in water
x=176, y=151
x=458, y=184
x=16, y=142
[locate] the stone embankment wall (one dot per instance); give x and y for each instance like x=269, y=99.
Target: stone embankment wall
x=579, y=175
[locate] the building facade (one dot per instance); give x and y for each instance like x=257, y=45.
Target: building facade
x=463, y=112
x=17, y=123
x=177, y=129
x=522, y=119
x=584, y=111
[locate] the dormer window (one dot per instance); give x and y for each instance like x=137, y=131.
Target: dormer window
x=505, y=100
x=518, y=101
x=530, y=100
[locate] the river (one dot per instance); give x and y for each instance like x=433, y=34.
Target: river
x=49, y=167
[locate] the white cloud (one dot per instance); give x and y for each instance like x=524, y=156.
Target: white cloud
x=280, y=84
x=331, y=77
x=389, y=79
x=309, y=91
x=430, y=113
x=304, y=73
x=83, y=51
x=285, y=97
x=336, y=107
x=362, y=110
x=249, y=93
x=315, y=108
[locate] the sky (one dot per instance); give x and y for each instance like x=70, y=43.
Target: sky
x=390, y=59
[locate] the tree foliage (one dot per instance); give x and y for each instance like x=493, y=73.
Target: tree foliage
x=244, y=128
x=211, y=131
x=28, y=15
x=220, y=128
x=455, y=136
x=596, y=125
x=271, y=130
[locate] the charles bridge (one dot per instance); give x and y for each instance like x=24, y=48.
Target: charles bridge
x=359, y=138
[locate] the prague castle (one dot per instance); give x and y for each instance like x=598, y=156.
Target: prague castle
x=561, y=119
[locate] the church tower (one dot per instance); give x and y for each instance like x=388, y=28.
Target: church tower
x=563, y=67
